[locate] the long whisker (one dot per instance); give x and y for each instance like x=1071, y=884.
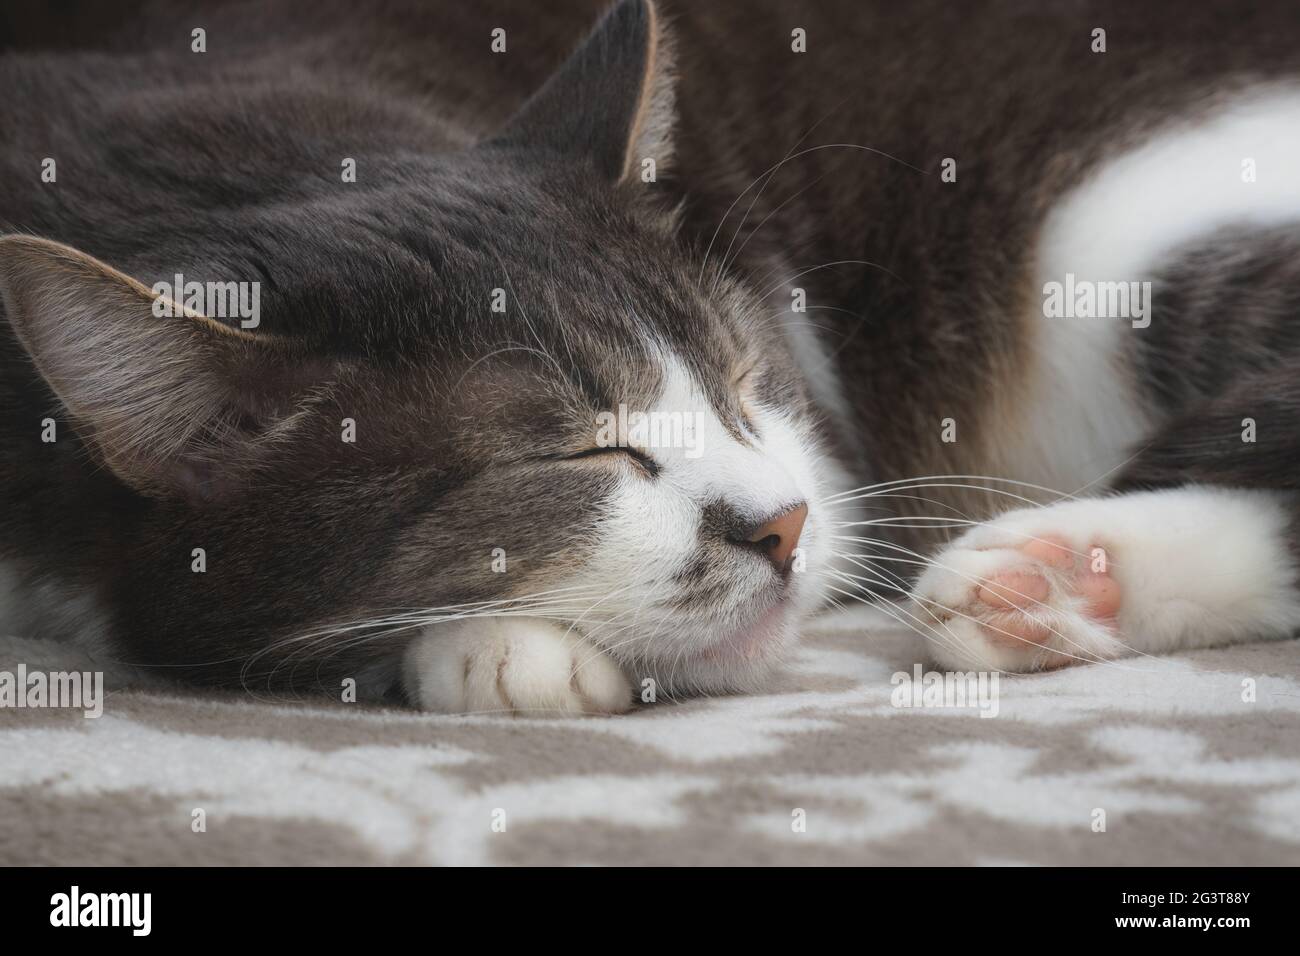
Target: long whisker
x=301, y=644
x=927, y=478
x=981, y=581
x=790, y=157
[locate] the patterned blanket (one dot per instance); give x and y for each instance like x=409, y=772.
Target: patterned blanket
x=855, y=757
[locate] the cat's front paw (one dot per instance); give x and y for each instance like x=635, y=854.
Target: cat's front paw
x=514, y=665
x=1021, y=593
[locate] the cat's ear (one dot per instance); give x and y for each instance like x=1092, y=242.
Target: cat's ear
x=170, y=401
x=612, y=99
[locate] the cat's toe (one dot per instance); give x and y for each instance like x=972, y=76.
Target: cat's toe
x=514, y=666
x=544, y=669
x=598, y=682
x=1018, y=603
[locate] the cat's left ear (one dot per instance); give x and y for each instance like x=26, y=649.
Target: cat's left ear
x=172, y=402
x=612, y=99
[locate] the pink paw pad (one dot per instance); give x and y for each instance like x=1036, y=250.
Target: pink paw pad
x=1014, y=596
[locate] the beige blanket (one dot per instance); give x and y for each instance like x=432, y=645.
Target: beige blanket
x=1179, y=760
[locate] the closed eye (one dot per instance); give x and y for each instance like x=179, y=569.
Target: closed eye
x=644, y=461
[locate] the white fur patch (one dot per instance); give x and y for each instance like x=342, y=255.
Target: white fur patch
x=651, y=532
x=1180, y=185
x=1120, y=225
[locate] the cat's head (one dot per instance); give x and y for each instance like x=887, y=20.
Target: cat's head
x=500, y=383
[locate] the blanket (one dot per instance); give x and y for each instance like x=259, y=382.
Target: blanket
x=856, y=756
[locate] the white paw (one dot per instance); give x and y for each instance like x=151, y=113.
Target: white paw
x=512, y=665
x=1030, y=590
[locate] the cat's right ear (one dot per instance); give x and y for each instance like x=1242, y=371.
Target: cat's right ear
x=173, y=403
x=611, y=102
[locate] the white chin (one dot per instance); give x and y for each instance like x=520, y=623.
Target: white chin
x=740, y=660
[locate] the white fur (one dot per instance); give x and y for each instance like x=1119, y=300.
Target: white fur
x=1180, y=185
x=1197, y=566
x=652, y=528
x=512, y=665
x=1120, y=225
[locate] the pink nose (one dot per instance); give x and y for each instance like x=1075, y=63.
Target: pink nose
x=779, y=536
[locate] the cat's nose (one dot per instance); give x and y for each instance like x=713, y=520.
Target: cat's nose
x=777, y=537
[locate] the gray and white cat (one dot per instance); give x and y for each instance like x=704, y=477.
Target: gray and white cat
x=846, y=278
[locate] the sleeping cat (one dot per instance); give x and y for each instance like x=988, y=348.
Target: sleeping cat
x=577, y=371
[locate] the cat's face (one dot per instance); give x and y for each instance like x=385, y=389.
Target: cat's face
x=586, y=427
x=522, y=397
x=632, y=435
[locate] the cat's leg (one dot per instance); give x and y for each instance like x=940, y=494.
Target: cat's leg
x=513, y=665
x=1086, y=580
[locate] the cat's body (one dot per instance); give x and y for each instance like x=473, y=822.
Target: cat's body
x=924, y=349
